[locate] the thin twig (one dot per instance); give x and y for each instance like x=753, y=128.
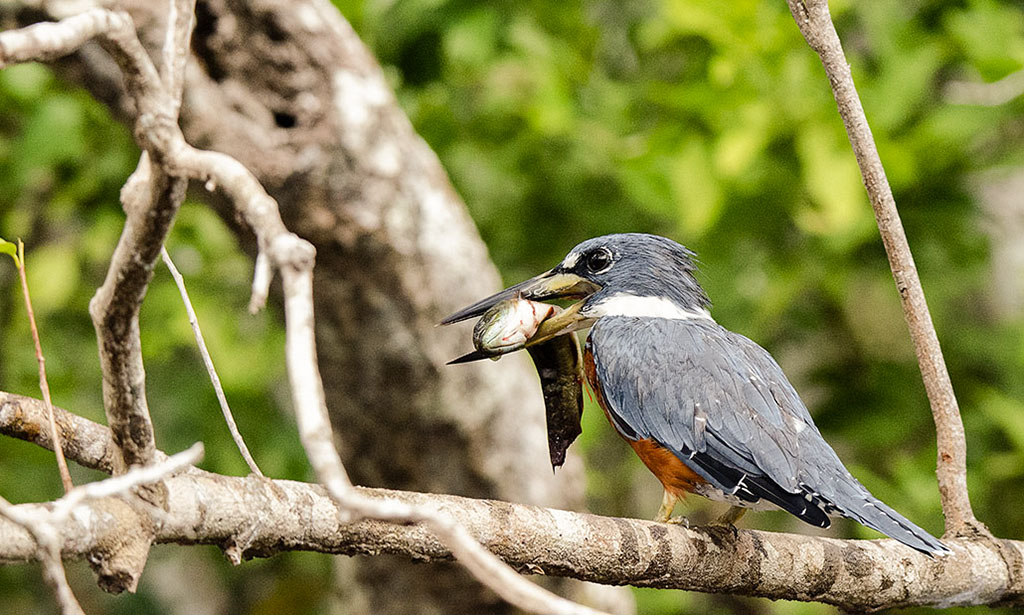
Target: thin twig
x=48, y=551
x=815, y=23
x=45, y=525
x=123, y=483
x=208, y=362
x=483, y=564
x=62, y=464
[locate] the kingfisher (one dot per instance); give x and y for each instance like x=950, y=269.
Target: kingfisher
x=707, y=410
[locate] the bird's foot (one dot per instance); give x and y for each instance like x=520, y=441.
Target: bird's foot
x=731, y=516
x=680, y=520
x=668, y=502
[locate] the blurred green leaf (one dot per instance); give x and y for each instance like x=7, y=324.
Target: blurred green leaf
x=991, y=35
x=695, y=189
x=1008, y=413
x=53, y=276
x=840, y=210
x=11, y=249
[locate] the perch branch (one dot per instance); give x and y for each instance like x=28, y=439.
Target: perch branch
x=815, y=23
x=258, y=518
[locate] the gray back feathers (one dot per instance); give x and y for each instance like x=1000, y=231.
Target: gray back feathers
x=722, y=405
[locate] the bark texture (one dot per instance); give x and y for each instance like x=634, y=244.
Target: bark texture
x=291, y=92
x=253, y=517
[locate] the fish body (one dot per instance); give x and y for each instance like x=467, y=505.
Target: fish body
x=559, y=363
x=509, y=326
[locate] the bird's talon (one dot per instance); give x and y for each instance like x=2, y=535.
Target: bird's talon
x=683, y=521
x=726, y=526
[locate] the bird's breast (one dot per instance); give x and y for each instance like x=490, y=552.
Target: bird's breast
x=674, y=475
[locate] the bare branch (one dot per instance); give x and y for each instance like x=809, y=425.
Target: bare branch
x=304, y=373
x=258, y=518
x=180, y=20
x=208, y=362
x=48, y=41
x=85, y=442
x=815, y=23
x=151, y=201
x=47, y=543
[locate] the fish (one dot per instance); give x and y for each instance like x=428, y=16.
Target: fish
x=559, y=363
x=518, y=323
x=506, y=328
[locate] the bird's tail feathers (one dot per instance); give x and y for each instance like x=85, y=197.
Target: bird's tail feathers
x=875, y=514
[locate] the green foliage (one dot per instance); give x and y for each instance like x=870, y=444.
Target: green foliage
x=709, y=122
x=11, y=250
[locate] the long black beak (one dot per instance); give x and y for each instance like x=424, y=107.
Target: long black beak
x=547, y=286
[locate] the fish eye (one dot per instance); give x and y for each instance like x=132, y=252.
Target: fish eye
x=599, y=261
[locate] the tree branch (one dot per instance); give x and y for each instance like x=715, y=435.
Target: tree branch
x=815, y=23
x=45, y=524
x=258, y=518
x=87, y=443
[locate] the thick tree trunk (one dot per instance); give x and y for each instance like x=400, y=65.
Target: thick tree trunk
x=290, y=91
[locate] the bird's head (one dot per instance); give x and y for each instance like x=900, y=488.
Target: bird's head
x=628, y=274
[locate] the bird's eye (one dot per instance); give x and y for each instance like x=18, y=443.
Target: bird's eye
x=599, y=260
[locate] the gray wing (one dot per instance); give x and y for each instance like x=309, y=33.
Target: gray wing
x=721, y=404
